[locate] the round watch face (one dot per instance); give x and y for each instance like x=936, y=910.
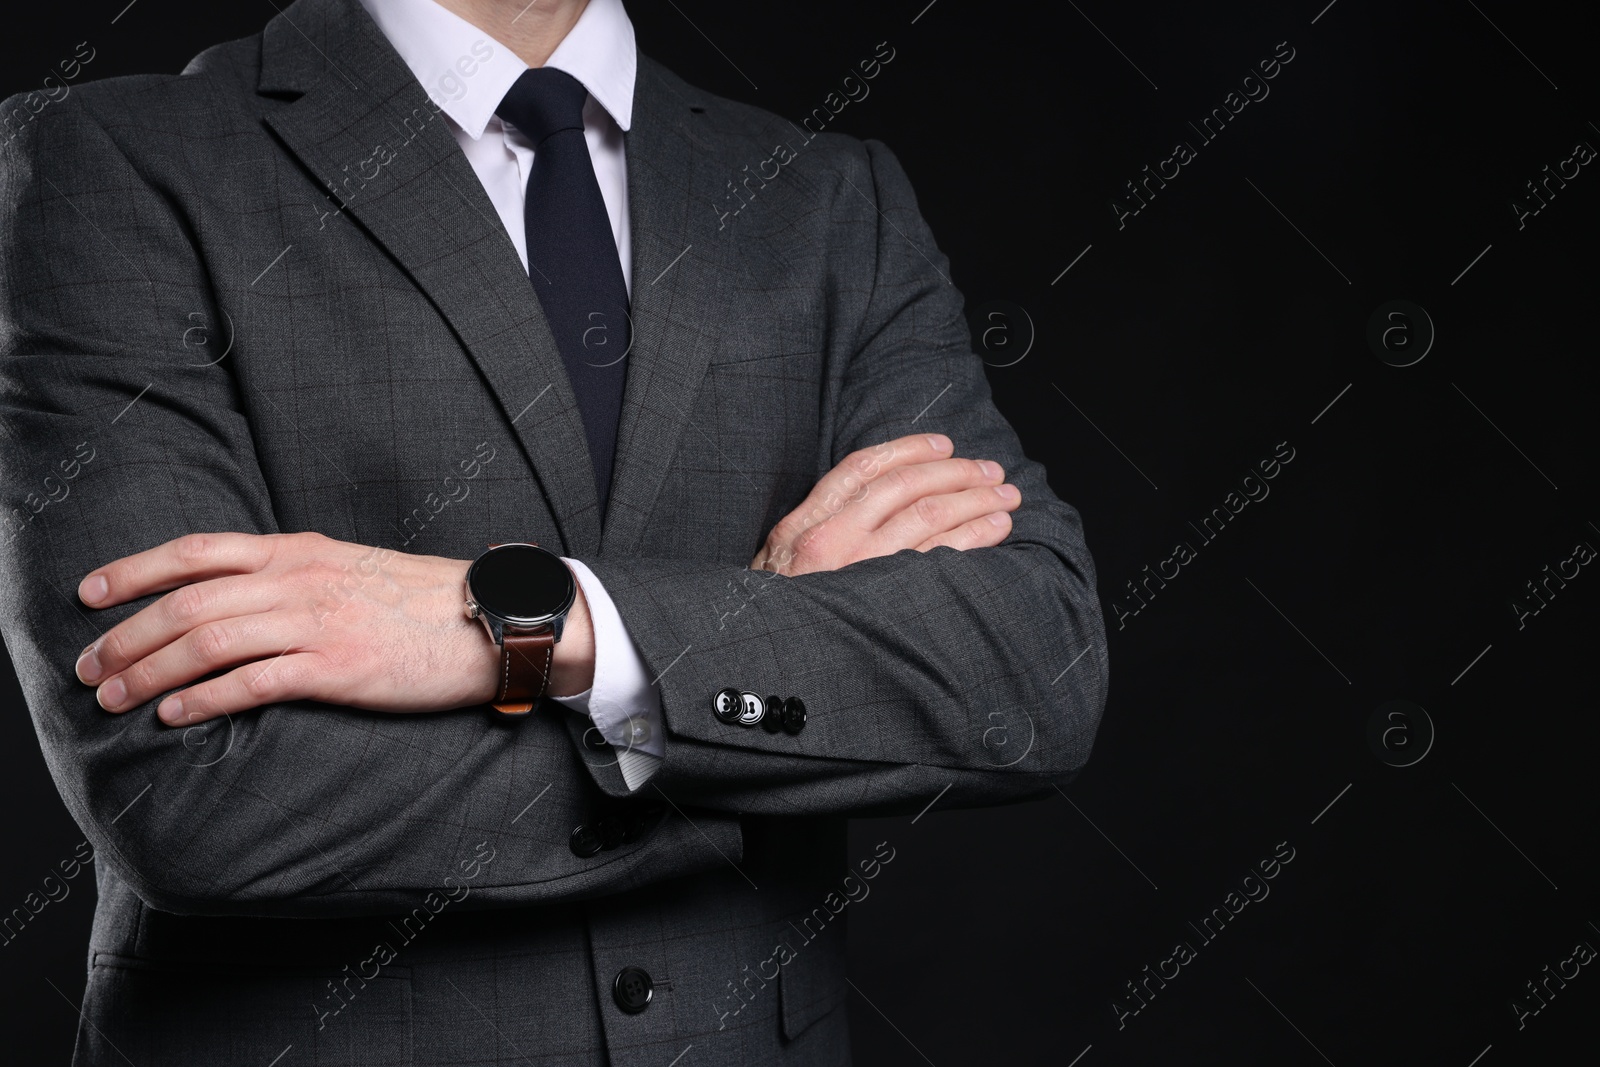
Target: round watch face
x=521, y=583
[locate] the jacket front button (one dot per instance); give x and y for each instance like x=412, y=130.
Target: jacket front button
x=632, y=989
x=728, y=704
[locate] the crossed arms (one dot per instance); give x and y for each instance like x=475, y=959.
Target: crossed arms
x=899, y=612
x=254, y=607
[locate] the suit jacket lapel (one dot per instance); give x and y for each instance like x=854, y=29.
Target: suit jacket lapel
x=428, y=209
x=683, y=271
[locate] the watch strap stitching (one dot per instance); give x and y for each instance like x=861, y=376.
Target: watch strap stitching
x=505, y=680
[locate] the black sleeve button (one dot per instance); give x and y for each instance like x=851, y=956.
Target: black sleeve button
x=794, y=715
x=632, y=989
x=584, y=842
x=728, y=704
x=755, y=709
x=772, y=721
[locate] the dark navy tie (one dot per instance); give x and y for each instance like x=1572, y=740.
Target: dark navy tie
x=572, y=255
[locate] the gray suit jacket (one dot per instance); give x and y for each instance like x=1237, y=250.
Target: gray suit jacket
x=270, y=295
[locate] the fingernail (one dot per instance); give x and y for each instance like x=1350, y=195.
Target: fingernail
x=93, y=589
x=88, y=667
x=1000, y=519
x=939, y=442
x=989, y=468
x=1008, y=492
x=171, y=711
x=112, y=694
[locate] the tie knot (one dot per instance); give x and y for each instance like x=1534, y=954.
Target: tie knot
x=543, y=101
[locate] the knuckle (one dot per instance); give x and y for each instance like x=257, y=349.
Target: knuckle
x=194, y=548
x=140, y=678
x=340, y=659
x=931, y=512
x=878, y=455
x=260, y=551
x=861, y=462
x=286, y=547
x=811, y=538
x=814, y=542
x=187, y=603
x=269, y=548
x=320, y=574
x=856, y=490
x=899, y=480
x=973, y=534
x=114, y=651
x=261, y=680
x=212, y=644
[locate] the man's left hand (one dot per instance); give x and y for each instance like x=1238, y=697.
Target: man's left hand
x=299, y=617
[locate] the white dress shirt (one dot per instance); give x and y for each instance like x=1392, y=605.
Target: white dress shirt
x=466, y=73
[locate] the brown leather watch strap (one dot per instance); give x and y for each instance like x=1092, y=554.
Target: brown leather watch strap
x=524, y=671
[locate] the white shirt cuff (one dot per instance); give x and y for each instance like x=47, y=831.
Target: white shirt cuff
x=621, y=703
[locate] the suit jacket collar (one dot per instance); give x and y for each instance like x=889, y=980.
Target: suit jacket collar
x=438, y=45
x=352, y=92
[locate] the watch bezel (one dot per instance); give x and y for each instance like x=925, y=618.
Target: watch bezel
x=520, y=623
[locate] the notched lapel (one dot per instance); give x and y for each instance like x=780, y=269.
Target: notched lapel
x=428, y=209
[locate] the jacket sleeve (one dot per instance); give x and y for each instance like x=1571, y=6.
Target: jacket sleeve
x=979, y=675
x=123, y=427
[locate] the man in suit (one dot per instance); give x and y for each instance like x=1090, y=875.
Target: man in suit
x=288, y=341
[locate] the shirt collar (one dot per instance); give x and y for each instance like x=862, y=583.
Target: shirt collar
x=467, y=73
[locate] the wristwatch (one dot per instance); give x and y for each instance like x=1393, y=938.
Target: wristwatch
x=521, y=593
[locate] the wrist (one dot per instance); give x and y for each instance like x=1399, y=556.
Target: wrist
x=572, y=665
x=479, y=656
x=572, y=658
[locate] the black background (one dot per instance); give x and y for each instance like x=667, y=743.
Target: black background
x=1191, y=342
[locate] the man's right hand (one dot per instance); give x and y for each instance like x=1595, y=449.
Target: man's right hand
x=907, y=493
